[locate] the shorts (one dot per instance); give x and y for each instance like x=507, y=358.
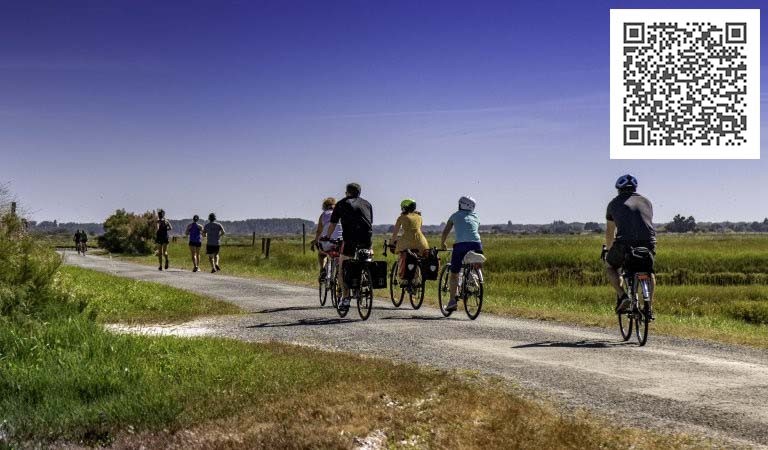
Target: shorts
x=196, y=244
x=348, y=248
x=212, y=249
x=619, y=249
x=161, y=240
x=460, y=250
x=326, y=246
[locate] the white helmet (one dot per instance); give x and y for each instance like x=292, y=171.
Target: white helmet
x=467, y=203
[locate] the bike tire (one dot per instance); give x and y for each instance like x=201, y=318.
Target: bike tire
x=394, y=284
x=365, y=294
x=473, y=301
x=323, y=290
x=417, y=298
x=443, y=287
x=625, y=325
x=642, y=322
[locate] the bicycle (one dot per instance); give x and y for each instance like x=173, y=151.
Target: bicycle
x=637, y=281
x=471, y=285
x=414, y=285
x=360, y=288
x=328, y=280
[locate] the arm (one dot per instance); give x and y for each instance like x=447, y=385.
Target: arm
x=319, y=230
x=395, y=231
x=168, y=222
x=446, y=231
x=186, y=232
x=331, y=227
x=610, y=233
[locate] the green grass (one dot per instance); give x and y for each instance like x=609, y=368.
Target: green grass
x=710, y=286
x=117, y=299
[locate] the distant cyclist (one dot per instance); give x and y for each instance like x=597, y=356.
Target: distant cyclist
x=467, y=226
x=161, y=238
x=213, y=231
x=195, y=233
x=409, y=221
x=356, y=215
x=77, y=240
x=629, y=224
x=323, y=224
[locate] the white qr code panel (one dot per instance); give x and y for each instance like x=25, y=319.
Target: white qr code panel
x=685, y=84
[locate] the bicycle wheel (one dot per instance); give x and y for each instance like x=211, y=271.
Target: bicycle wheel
x=394, y=285
x=323, y=288
x=641, y=320
x=417, y=295
x=626, y=323
x=473, y=292
x=365, y=294
x=443, y=287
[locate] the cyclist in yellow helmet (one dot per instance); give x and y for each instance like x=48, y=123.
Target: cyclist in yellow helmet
x=413, y=239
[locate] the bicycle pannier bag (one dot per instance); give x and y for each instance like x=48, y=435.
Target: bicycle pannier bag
x=379, y=274
x=430, y=267
x=352, y=270
x=411, y=262
x=638, y=259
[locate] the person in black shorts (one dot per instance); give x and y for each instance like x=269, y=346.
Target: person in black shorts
x=356, y=215
x=161, y=238
x=195, y=233
x=629, y=219
x=213, y=231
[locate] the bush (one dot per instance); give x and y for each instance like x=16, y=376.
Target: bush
x=128, y=233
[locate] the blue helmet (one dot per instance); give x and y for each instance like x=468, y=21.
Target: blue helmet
x=626, y=182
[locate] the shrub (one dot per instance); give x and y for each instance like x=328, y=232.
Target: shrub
x=128, y=233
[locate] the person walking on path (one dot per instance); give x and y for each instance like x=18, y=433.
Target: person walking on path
x=213, y=231
x=77, y=241
x=83, y=241
x=195, y=233
x=161, y=238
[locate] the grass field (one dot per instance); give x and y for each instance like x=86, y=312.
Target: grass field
x=710, y=286
x=65, y=379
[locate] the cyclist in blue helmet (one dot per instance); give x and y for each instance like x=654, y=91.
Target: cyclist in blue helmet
x=629, y=219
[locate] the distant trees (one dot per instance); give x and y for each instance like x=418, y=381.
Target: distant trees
x=593, y=226
x=680, y=224
x=127, y=232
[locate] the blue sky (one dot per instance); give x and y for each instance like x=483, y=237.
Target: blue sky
x=261, y=109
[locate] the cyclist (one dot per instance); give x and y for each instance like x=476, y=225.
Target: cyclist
x=195, y=233
x=467, y=226
x=77, y=241
x=412, y=239
x=323, y=223
x=356, y=214
x=161, y=238
x=213, y=231
x=629, y=224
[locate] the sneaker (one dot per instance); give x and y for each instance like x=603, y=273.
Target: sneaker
x=217, y=267
x=651, y=315
x=195, y=269
x=213, y=270
x=344, y=304
x=160, y=268
x=452, y=305
x=166, y=264
x=622, y=304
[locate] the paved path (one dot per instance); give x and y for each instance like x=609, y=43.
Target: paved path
x=686, y=385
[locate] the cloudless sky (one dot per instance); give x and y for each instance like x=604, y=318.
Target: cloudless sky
x=261, y=109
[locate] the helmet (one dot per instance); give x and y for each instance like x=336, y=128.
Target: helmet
x=626, y=182
x=467, y=203
x=407, y=203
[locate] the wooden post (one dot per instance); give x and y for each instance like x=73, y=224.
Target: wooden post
x=269, y=243
x=253, y=242
x=304, y=238
x=263, y=245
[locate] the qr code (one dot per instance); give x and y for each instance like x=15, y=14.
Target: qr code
x=685, y=84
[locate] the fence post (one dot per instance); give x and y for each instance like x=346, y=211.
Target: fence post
x=304, y=238
x=269, y=243
x=263, y=245
x=253, y=242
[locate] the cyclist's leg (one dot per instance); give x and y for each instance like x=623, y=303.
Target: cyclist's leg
x=401, y=261
x=613, y=261
x=340, y=279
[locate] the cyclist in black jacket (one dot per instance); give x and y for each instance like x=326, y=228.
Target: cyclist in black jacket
x=356, y=215
x=629, y=219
